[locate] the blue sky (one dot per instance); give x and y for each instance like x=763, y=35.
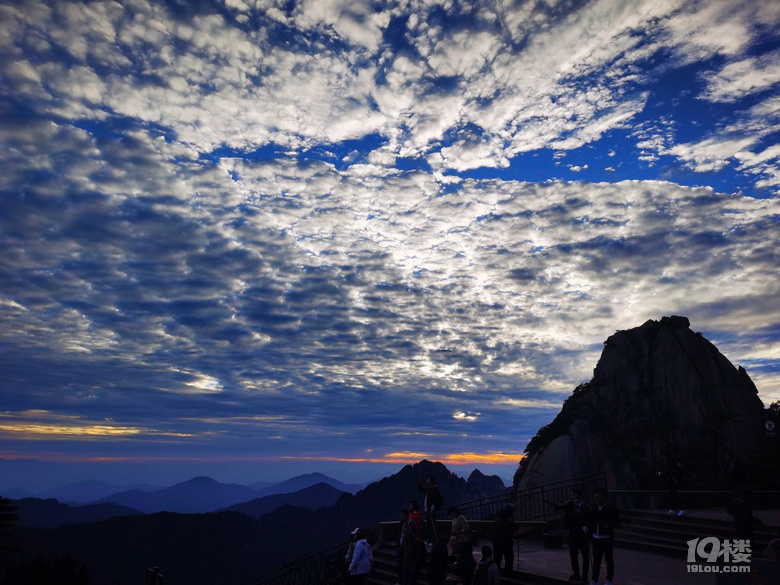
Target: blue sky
x=247, y=239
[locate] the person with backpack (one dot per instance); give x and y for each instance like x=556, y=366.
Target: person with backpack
x=487, y=572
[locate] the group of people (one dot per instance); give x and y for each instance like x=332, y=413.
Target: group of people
x=448, y=560
x=591, y=529
x=445, y=564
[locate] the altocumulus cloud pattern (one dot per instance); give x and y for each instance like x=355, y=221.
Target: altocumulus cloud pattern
x=369, y=230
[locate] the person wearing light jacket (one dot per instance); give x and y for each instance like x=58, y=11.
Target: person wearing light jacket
x=362, y=559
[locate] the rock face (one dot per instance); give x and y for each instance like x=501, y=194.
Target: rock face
x=657, y=387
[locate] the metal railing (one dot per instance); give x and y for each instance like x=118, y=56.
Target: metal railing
x=535, y=503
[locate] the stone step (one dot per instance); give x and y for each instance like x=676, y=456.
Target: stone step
x=668, y=535
x=659, y=518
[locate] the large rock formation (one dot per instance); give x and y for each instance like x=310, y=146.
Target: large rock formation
x=657, y=387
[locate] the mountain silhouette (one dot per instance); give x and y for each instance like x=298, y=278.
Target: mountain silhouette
x=304, y=481
x=86, y=492
x=656, y=388
x=198, y=495
x=231, y=547
x=313, y=497
x=50, y=513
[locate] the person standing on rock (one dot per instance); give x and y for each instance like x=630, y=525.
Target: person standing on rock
x=604, y=518
x=575, y=519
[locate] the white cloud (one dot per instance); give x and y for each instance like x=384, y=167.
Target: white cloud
x=741, y=78
x=563, y=87
x=710, y=154
x=136, y=256
x=357, y=21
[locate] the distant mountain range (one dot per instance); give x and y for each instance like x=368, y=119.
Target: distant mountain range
x=314, y=497
x=50, y=513
x=245, y=540
x=197, y=495
x=303, y=481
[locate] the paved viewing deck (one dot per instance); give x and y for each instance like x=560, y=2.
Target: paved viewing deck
x=636, y=567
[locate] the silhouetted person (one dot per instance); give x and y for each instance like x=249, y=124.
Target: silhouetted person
x=416, y=517
x=465, y=565
x=672, y=475
x=504, y=533
x=412, y=556
x=486, y=572
x=604, y=518
x=735, y=471
x=432, y=504
x=403, y=521
x=575, y=519
x=741, y=508
x=438, y=562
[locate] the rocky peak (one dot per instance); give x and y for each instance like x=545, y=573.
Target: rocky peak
x=485, y=485
x=656, y=387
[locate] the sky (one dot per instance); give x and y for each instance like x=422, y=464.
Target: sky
x=248, y=239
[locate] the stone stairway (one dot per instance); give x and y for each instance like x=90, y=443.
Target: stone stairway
x=656, y=532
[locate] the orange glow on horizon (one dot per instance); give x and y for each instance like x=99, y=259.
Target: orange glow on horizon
x=401, y=458
x=411, y=458
x=40, y=431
